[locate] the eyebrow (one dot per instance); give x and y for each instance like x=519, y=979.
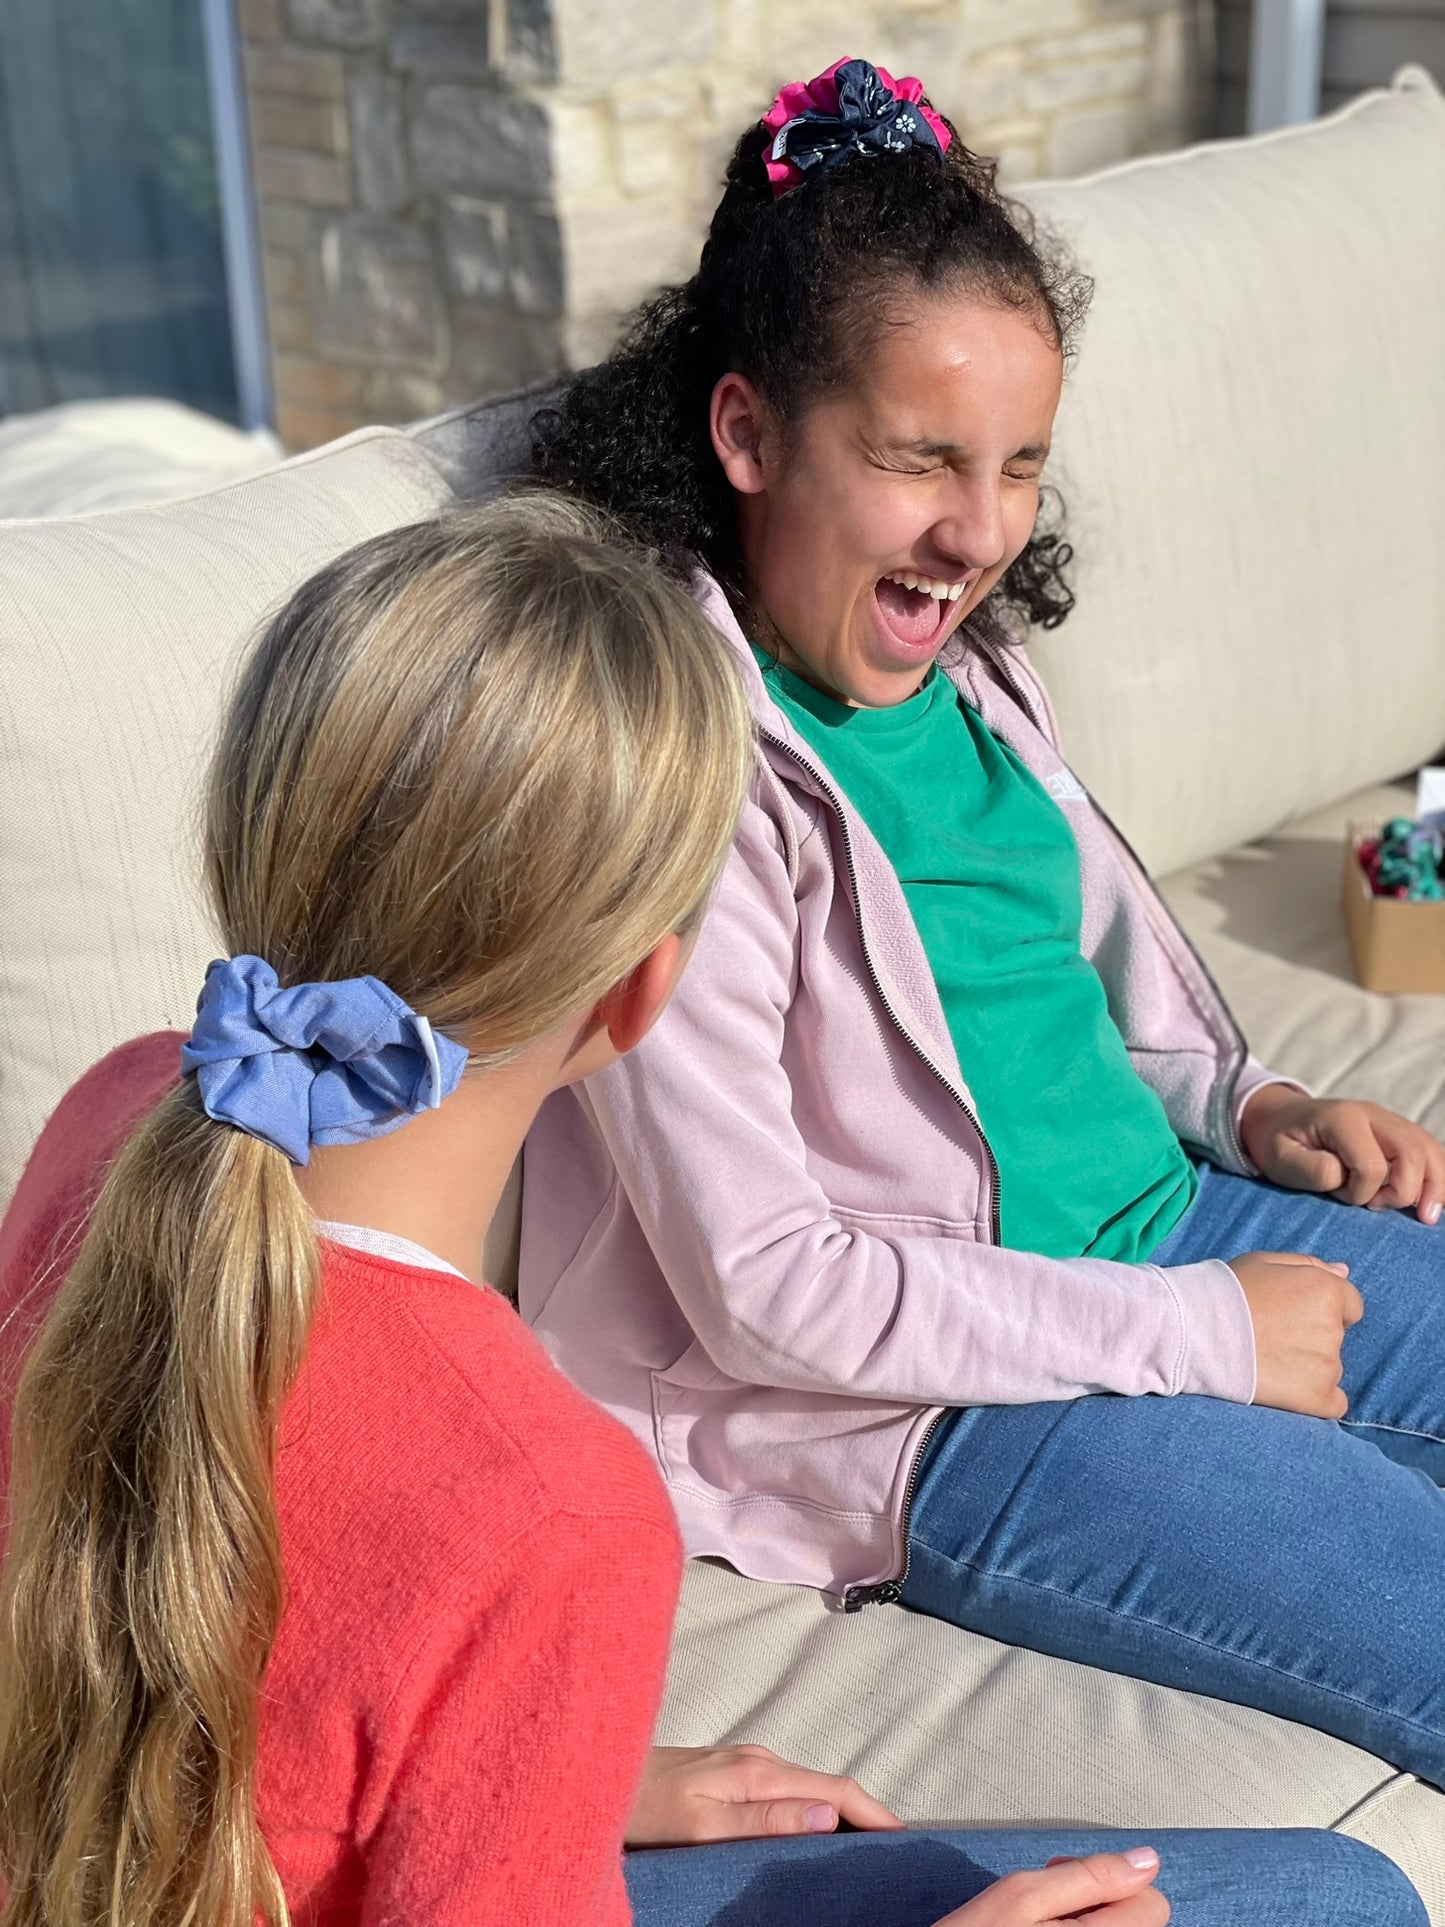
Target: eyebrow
x=948, y=451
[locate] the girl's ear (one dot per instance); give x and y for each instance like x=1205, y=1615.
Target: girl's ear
x=631, y=1008
x=618, y=1021
x=735, y=421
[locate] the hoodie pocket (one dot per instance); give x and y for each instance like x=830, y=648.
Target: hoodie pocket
x=676, y=1407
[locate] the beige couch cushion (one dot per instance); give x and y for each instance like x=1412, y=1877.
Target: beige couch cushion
x=1251, y=445
x=120, y=630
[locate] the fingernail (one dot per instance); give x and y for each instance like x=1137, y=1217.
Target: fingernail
x=1142, y=1857
x=820, y=1819
x=1431, y=1213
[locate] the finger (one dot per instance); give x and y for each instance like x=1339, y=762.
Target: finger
x=1353, y=1305
x=1149, y=1909
x=1432, y=1190
x=1351, y=1137
x=1069, y=1887
x=1006, y=1905
x=760, y=1819
x=777, y=1779
x=861, y=1810
x=1407, y=1173
x=1308, y=1167
x=1390, y=1130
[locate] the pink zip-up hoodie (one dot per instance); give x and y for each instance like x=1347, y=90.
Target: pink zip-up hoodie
x=768, y=1239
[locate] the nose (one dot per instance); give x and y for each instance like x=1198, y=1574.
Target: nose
x=971, y=531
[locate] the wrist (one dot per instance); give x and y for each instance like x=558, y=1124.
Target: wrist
x=1261, y=1113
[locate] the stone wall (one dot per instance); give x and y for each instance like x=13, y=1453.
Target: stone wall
x=460, y=196
x=411, y=242
x=650, y=95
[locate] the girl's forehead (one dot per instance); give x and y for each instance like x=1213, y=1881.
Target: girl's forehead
x=942, y=355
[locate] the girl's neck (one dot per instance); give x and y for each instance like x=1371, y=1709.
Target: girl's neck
x=438, y=1179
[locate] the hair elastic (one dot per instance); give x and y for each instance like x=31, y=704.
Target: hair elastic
x=329, y=1063
x=853, y=108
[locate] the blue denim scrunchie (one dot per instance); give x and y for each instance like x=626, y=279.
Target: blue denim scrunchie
x=315, y=1064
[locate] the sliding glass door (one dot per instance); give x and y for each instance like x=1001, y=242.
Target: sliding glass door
x=112, y=268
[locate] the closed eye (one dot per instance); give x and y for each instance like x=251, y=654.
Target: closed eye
x=910, y=469
x=904, y=458
x=905, y=468
x=1027, y=465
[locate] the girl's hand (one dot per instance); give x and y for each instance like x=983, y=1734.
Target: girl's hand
x=1362, y=1153
x=1114, y=1889
x=695, y=1793
x=1301, y=1310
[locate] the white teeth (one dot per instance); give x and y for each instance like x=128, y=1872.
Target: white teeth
x=940, y=591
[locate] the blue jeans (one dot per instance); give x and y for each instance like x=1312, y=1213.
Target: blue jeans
x=1283, y=1562
x=1285, y=1879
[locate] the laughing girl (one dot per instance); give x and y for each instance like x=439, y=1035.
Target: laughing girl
x=945, y=1243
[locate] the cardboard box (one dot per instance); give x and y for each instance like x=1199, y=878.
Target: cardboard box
x=1398, y=946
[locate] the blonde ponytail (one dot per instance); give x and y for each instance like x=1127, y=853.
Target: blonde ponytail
x=144, y=1572
x=491, y=761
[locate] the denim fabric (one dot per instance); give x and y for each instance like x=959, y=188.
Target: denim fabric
x=1256, y=1879
x=1283, y=1562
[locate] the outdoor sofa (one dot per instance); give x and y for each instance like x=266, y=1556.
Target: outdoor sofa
x=1253, y=450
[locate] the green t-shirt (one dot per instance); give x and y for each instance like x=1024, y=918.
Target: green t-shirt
x=1088, y=1163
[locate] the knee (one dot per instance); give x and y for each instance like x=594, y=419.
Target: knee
x=1348, y=1880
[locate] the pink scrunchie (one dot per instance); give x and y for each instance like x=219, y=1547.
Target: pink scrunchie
x=821, y=95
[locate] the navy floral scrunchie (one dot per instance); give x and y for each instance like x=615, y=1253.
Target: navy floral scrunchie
x=853, y=108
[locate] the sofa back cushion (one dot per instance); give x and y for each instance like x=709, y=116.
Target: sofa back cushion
x=1252, y=448
x=120, y=633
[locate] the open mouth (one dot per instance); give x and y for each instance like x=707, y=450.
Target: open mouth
x=915, y=608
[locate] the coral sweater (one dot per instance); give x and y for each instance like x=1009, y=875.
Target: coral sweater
x=481, y=1569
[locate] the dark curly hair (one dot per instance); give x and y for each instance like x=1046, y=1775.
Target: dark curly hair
x=790, y=293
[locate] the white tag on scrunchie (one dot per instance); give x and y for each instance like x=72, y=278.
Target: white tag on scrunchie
x=1430, y=797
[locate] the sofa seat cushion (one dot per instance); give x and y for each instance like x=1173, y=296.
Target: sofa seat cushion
x=952, y=1729
x=1268, y=922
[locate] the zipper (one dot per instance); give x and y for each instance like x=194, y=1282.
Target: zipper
x=1241, y=1048
x=957, y=1095
x=889, y=1591
x=855, y=1598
